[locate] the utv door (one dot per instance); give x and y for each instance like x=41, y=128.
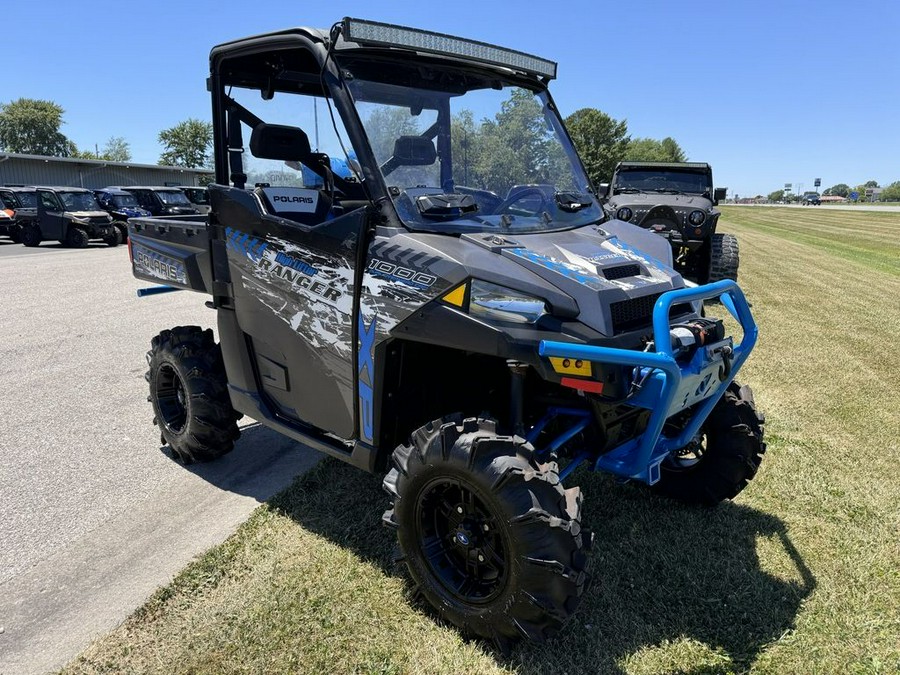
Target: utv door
x=50, y=216
x=292, y=259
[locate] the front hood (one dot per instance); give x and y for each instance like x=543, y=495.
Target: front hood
x=655, y=208
x=130, y=212
x=90, y=215
x=604, y=276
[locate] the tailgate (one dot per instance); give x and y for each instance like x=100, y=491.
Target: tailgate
x=174, y=251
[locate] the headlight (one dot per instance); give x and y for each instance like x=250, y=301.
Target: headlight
x=492, y=302
x=697, y=217
x=624, y=214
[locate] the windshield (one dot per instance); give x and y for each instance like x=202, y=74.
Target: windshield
x=196, y=196
x=125, y=201
x=662, y=180
x=468, y=154
x=28, y=200
x=79, y=201
x=173, y=198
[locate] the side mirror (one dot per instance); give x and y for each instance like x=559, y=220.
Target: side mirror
x=719, y=195
x=414, y=151
x=276, y=141
x=603, y=190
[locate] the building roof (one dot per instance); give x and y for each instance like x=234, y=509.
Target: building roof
x=99, y=162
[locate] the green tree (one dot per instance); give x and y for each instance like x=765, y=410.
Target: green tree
x=652, y=150
x=891, y=193
x=601, y=141
x=116, y=150
x=839, y=190
x=187, y=144
x=776, y=196
x=31, y=126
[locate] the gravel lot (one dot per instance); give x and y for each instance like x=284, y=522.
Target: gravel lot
x=95, y=515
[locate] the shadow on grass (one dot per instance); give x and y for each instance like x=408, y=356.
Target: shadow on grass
x=661, y=571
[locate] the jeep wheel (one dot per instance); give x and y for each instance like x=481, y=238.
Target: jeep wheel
x=488, y=533
x=723, y=459
x=31, y=235
x=723, y=257
x=189, y=393
x=123, y=231
x=77, y=238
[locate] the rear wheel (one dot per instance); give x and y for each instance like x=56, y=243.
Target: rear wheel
x=15, y=234
x=723, y=458
x=723, y=257
x=488, y=533
x=31, y=235
x=77, y=238
x=189, y=394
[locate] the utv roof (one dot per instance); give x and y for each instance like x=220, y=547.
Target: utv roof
x=61, y=188
x=111, y=190
x=663, y=165
x=382, y=37
x=127, y=188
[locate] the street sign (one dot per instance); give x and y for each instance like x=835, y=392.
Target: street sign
x=787, y=186
x=818, y=182
x=854, y=196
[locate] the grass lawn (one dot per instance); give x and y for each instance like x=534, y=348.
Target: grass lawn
x=800, y=574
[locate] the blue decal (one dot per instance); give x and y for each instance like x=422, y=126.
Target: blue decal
x=567, y=270
x=615, y=241
x=295, y=264
x=366, y=358
x=243, y=244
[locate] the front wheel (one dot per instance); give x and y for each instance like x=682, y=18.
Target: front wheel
x=77, y=238
x=723, y=458
x=113, y=239
x=31, y=235
x=488, y=533
x=724, y=257
x=123, y=231
x=189, y=393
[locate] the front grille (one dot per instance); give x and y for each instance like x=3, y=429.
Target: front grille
x=638, y=312
x=621, y=271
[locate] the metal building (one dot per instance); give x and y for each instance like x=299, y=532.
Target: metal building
x=16, y=169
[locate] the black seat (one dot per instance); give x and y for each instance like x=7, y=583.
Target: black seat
x=306, y=206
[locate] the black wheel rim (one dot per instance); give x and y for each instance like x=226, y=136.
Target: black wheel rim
x=171, y=398
x=686, y=458
x=461, y=541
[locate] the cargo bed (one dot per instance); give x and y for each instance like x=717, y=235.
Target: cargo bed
x=172, y=250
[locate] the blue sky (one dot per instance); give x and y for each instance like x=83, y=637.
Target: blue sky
x=766, y=92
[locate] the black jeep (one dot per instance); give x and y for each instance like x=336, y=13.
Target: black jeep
x=71, y=216
x=676, y=200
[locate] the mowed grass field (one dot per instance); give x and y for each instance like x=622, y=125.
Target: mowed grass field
x=800, y=574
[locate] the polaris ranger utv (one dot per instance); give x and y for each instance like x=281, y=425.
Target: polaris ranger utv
x=71, y=216
x=19, y=205
x=456, y=313
x=677, y=201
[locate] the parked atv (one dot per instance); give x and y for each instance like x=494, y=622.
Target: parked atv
x=161, y=201
x=676, y=201
x=121, y=206
x=473, y=329
x=18, y=206
x=71, y=216
x=197, y=196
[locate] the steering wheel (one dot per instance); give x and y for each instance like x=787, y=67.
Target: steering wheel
x=519, y=192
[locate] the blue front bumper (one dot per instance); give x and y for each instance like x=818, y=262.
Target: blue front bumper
x=669, y=387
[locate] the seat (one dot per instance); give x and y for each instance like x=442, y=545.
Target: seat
x=302, y=205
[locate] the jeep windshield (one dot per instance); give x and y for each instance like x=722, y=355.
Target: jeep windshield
x=79, y=201
x=173, y=198
x=461, y=152
x=127, y=201
x=662, y=181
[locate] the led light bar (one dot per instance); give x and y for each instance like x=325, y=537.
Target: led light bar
x=387, y=35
